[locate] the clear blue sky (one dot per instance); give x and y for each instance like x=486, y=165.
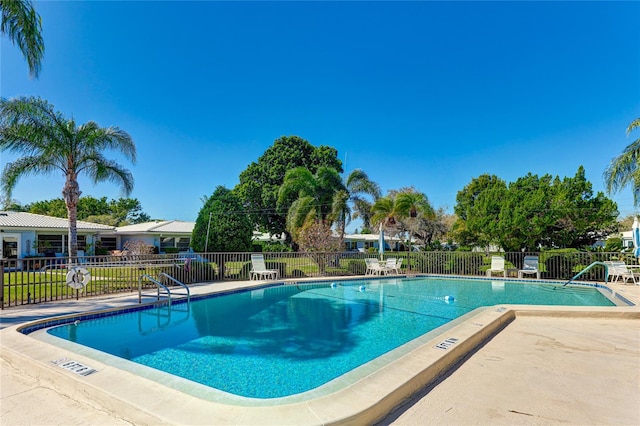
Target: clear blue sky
x=429, y=94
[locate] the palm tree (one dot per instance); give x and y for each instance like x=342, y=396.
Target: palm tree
x=413, y=206
x=49, y=143
x=340, y=211
x=23, y=26
x=624, y=169
x=358, y=184
x=385, y=212
x=393, y=210
x=313, y=196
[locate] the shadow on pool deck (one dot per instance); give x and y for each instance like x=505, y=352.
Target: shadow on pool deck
x=540, y=369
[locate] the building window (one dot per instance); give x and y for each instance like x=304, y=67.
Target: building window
x=82, y=242
x=50, y=244
x=183, y=243
x=351, y=245
x=107, y=243
x=167, y=242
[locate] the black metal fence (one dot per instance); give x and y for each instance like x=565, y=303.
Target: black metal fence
x=38, y=279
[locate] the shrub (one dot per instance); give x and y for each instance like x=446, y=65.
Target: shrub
x=275, y=247
x=356, y=266
x=613, y=244
x=560, y=266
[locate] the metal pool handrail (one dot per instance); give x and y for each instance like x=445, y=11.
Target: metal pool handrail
x=606, y=272
x=158, y=284
x=188, y=292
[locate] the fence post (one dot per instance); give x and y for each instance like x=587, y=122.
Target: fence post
x=1, y=283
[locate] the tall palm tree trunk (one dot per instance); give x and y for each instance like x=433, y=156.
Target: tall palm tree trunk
x=71, y=194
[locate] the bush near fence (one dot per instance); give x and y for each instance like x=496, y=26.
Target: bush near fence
x=39, y=279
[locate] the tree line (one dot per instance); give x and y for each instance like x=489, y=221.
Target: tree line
x=296, y=190
x=120, y=212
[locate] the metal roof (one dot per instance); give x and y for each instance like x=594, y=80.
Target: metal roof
x=158, y=227
x=22, y=220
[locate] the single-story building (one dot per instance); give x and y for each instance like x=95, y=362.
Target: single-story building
x=363, y=242
x=165, y=234
x=27, y=234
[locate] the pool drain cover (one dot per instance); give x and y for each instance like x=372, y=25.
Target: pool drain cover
x=447, y=343
x=74, y=366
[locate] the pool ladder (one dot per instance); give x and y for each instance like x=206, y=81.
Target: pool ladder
x=606, y=272
x=161, y=288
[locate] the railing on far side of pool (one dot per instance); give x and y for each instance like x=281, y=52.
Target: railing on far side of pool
x=43, y=279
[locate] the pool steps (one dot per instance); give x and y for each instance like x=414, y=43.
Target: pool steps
x=161, y=288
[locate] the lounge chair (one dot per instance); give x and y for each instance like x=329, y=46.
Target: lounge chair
x=497, y=265
x=530, y=266
x=260, y=271
x=618, y=269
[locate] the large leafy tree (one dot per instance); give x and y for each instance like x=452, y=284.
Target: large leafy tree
x=55, y=207
x=534, y=212
x=23, y=26
x=624, y=169
x=313, y=195
x=478, y=209
x=223, y=219
x=50, y=143
x=260, y=182
x=525, y=217
x=581, y=218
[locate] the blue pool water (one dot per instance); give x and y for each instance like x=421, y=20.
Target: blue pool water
x=284, y=340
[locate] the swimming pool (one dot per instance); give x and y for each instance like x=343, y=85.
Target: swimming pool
x=288, y=339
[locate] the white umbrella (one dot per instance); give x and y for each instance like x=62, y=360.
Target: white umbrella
x=381, y=243
x=635, y=235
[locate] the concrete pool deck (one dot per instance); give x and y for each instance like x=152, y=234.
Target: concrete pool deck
x=544, y=365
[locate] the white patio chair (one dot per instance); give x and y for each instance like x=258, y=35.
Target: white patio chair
x=618, y=270
x=369, y=262
x=497, y=265
x=375, y=267
x=399, y=265
x=260, y=271
x=530, y=266
x=393, y=265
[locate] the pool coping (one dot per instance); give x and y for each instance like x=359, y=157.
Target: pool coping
x=366, y=401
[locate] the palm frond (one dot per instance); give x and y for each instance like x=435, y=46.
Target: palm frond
x=622, y=169
x=634, y=125
x=100, y=169
x=23, y=167
x=23, y=26
x=358, y=182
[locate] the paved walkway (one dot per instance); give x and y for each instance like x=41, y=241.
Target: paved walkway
x=538, y=370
